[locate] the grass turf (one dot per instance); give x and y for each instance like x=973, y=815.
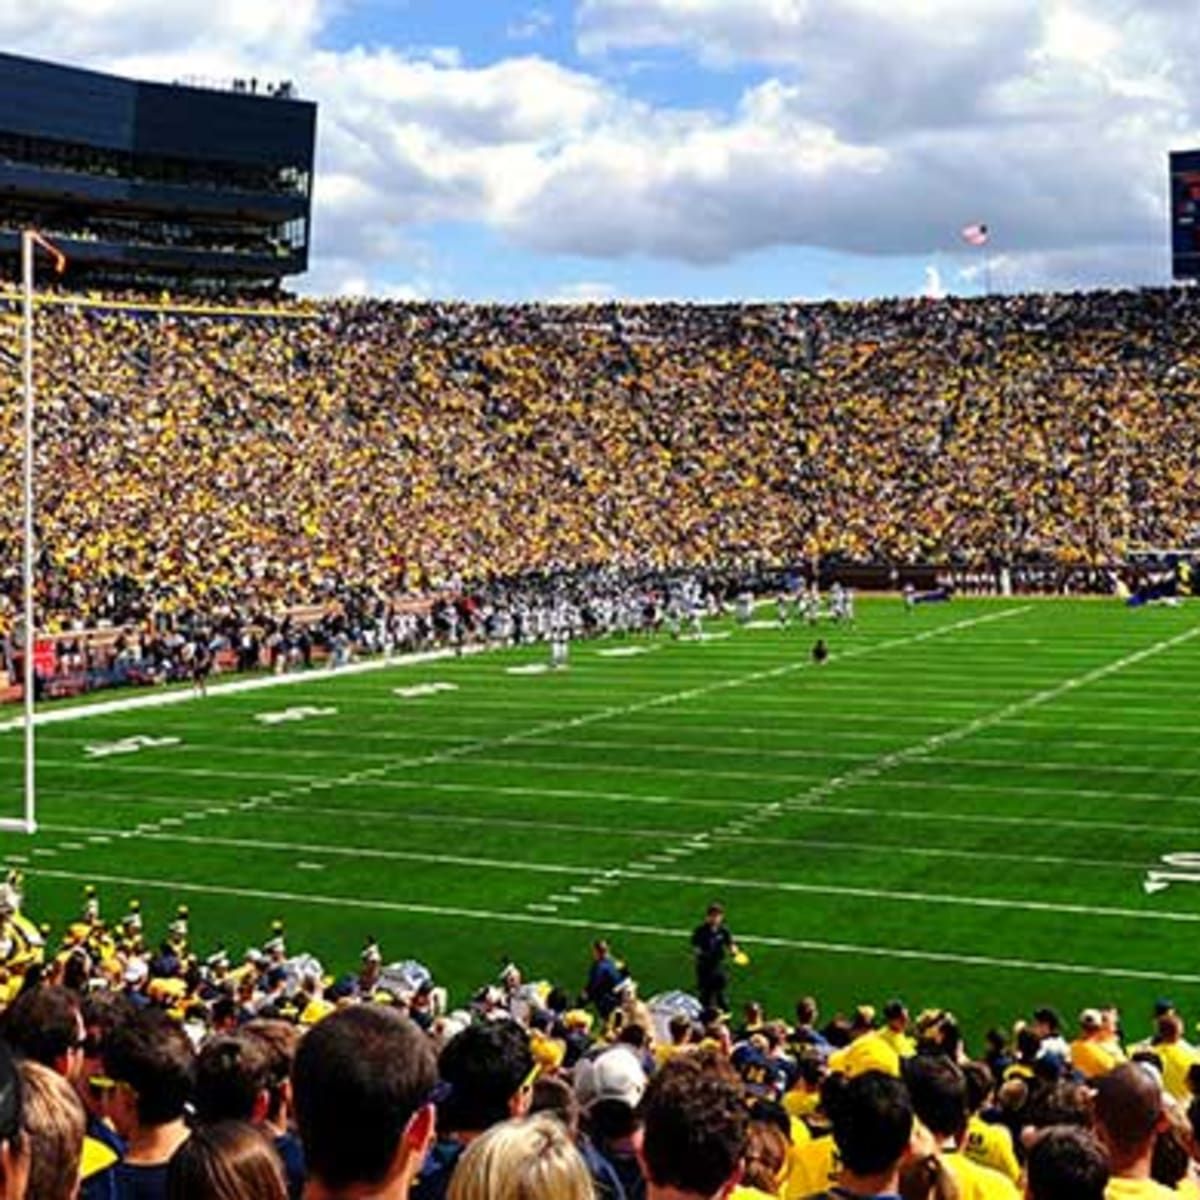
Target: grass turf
x=960, y=808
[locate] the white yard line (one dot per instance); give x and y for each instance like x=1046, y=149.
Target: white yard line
x=658, y=931
x=636, y=871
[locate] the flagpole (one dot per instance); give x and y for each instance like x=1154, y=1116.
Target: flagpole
x=27, y=242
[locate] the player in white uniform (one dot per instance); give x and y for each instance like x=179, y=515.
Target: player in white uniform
x=745, y=607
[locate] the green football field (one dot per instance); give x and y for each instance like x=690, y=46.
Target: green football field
x=983, y=805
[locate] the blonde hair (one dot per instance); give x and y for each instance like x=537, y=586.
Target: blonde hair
x=54, y=1121
x=533, y=1159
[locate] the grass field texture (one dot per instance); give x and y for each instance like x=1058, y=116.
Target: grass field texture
x=970, y=805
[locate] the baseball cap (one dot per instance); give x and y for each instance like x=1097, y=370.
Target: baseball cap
x=615, y=1075
x=1090, y=1018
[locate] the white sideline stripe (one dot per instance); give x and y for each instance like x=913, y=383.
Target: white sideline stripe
x=644, y=871
x=79, y=712
x=186, y=695
x=660, y=931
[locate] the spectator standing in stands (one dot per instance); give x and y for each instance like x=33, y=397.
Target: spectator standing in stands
x=1129, y=1115
x=1066, y=1161
x=363, y=1085
x=554, y=1096
x=694, y=1133
x=228, y=1160
x=939, y=1098
x=872, y=1126
x=15, y=1151
x=53, y=1120
x=712, y=944
x=279, y=1039
x=610, y=1087
x=1092, y=1052
x=46, y=1025
x=489, y=1072
x=522, y=1160
x=149, y=1071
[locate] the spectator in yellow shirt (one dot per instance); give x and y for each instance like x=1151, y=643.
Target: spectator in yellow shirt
x=939, y=1096
x=1092, y=1052
x=895, y=1031
x=1176, y=1054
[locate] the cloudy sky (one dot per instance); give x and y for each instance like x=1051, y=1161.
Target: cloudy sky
x=517, y=149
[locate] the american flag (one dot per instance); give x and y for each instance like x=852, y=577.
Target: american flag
x=975, y=235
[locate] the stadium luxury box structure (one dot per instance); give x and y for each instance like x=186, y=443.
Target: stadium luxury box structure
x=150, y=183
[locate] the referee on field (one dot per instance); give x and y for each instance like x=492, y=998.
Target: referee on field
x=712, y=943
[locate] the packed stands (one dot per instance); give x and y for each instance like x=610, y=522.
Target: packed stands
x=284, y=457
x=177, y=1062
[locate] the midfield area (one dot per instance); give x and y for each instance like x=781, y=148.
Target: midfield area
x=968, y=805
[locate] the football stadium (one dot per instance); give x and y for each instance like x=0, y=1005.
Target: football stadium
x=760, y=734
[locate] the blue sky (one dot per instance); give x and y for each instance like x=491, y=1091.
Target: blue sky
x=702, y=149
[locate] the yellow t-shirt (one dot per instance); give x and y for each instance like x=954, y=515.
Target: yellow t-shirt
x=979, y=1183
x=1177, y=1058
x=991, y=1146
x=1137, y=1189
x=867, y=1053
x=904, y=1046
x=1092, y=1059
x=813, y=1168
x=800, y=1104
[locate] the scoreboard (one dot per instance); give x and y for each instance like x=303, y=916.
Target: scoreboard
x=1185, y=214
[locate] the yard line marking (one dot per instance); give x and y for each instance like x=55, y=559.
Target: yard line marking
x=646, y=870
x=310, y=866
x=563, y=898
x=923, y=749
x=680, y=935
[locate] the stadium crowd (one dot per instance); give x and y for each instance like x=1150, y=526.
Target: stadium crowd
x=353, y=452
x=131, y=1067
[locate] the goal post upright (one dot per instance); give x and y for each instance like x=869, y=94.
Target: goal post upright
x=27, y=555
x=30, y=240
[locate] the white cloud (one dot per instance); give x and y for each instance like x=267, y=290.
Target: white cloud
x=877, y=127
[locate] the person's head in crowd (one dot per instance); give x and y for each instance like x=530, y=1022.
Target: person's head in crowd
x=872, y=1118
x=1171, y=1160
x=766, y=1156
x=45, y=1024
x=532, y=1159
x=1066, y=1163
x=149, y=1066
x=227, y=1160
x=54, y=1122
x=102, y=1011
x=555, y=1097
x=1047, y=1023
x=693, y=1133
x=895, y=1015
x=489, y=1069
x=1064, y=1102
x=233, y=1079
x=923, y=1173
x=609, y=1088
x=980, y=1085
x=15, y=1150
x=279, y=1040
x=807, y=1012
x=1029, y=1043
x=1128, y=1110
x=938, y=1092
x=1168, y=1029
x=362, y=1086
